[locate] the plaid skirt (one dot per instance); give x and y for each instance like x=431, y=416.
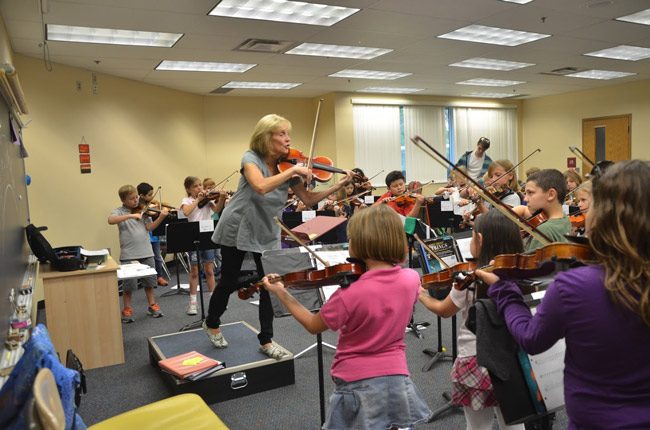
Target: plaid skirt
x=471, y=384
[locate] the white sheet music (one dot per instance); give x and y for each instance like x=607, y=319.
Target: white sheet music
x=549, y=373
x=463, y=247
x=332, y=258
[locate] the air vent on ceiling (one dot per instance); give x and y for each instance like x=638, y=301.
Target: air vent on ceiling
x=221, y=90
x=563, y=71
x=267, y=46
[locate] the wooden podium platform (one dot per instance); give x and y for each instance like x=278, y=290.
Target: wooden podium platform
x=83, y=313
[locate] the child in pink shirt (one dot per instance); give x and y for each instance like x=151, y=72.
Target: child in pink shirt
x=373, y=387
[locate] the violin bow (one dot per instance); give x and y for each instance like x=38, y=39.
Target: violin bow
x=582, y=155
x=300, y=242
x=485, y=194
x=509, y=170
x=431, y=251
x=351, y=197
x=313, y=136
x=225, y=180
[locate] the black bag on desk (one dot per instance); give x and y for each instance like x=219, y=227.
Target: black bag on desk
x=63, y=259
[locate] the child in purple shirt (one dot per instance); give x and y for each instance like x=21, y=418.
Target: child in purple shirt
x=373, y=387
x=602, y=311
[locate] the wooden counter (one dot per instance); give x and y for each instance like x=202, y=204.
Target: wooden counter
x=83, y=313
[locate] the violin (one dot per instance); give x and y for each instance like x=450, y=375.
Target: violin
x=213, y=195
x=322, y=167
x=339, y=274
x=535, y=220
x=542, y=262
x=143, y=208
x=444, y=278
x=402, y=200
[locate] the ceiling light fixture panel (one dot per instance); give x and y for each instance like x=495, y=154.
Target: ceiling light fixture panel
x=390, y=90
x=600, y=74
x=623, y=52
x=642, y=17
x=262, y=85
x=368, y=74
x=493, y=95
x=110, y=36
x=296, y=12
x=338, y=51
x=491, y=64
x=493, y=35
x=490, y=82
x=518, y=1
x=203, y=66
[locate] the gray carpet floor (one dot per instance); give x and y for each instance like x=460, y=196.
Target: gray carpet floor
x=116, y=389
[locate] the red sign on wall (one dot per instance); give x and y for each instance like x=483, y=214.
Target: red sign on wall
x=571, y=162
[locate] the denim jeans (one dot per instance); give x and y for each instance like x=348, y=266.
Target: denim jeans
x=376, y=403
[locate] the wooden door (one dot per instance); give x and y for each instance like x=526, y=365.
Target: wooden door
x=606, y=138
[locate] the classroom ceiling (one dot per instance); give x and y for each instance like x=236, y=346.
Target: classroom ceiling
x=410, y=28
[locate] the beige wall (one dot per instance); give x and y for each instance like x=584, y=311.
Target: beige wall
x=554, y=123
x=136, y=133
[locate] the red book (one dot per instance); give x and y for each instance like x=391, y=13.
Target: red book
x=186, y=364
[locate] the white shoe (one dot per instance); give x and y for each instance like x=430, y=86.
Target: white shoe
x=191, y=309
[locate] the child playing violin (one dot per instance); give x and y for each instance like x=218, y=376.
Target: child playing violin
x=190, y=206
x=493, y=234
x=373, y=387
x=602, y=310
x=545, y=191
x=583, y=196
x=396, y=198
x=134, y=226
x=145, y=191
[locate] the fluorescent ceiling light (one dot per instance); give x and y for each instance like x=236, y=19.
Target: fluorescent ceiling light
x=339, y=51
x=262, y=85
x=490, y=82
x=67, y=33
x=390, y=90
x=203, y=66
x=518, y=1
x=368, y=74
x=623, y=52
x=493, y=95
x=490, y=64
x=642, y=17
x=283, y=11
x=493, y=35
x=600, y=74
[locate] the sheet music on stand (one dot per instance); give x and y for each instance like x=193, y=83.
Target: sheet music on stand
x=548, y=367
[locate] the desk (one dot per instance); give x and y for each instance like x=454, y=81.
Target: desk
x=83, y=313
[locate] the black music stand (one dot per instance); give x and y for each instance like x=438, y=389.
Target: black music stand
x=161, y=230
x=449, y=247
x=187, y=237
x=412, y=227
x=283, y=261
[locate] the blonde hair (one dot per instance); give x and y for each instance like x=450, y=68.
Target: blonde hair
x=573, y=175
x=513, y=183
x=188, y=182
x=585, y=187
x=125, y=191
x=260, y=141
x=531, y=171
x=619, y=233
x=377, y=233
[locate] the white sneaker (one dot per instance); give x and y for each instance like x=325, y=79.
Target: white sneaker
x=191, y=309
x=217, y=339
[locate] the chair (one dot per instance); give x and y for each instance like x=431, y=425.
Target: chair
x=182, y=412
